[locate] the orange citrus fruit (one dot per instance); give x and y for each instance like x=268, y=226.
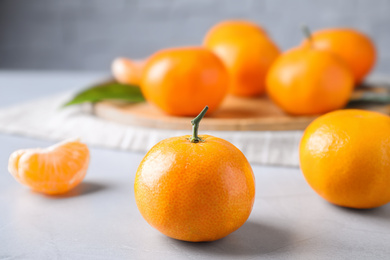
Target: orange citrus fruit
x=307, y=81
x=355, y=48
x=247, y=52
x=53, y=170
x=195, y=188
x=345, y=157
x=181, y=81
x=127, y=71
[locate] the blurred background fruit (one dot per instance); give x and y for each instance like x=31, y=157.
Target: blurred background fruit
x=247, y=52
x=309, y=81
x=127, y=71
x=88, y=35
x=345, y=157
x=182, y=81
x=352, y=46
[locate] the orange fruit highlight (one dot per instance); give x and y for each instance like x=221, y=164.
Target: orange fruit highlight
x=345, y=157
x=127, y=71
x=247, y=52
x=53, y=170
x=354, y=47
x=233, y=28
x=195, y=190
x=307, y=81
x=181, y=81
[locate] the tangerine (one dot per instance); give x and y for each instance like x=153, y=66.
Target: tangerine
x=355, y=48
x=181, y=81
x=195, y=188
x=308, y=81
x=345, y=157
x=247, y=53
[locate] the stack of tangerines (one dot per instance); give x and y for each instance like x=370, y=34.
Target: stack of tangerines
x=200, y=187
x=238, y=57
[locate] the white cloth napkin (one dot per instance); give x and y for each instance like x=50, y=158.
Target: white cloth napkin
x=45, y=119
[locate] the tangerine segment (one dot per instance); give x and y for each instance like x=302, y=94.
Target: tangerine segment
x=195, y=191
x=127, y=71
x=345, y=157
x=53, y=170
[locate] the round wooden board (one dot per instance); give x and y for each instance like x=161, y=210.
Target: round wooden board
x=239, y=114
x=234, y=114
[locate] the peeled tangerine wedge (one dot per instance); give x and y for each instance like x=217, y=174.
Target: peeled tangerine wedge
x=127, y=71
x=53, y=170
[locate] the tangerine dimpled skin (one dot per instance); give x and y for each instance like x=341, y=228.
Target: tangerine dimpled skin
x=181, y=81
x=309, y=82
x=345, y=157
x=195, y=191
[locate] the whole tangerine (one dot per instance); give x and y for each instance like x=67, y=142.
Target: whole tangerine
x=308, y=81
x=195, y=188
x=354, y=47
x=345, y=157
x=247, y=52
x=181, y=81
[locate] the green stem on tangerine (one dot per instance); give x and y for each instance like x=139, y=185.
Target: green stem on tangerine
x=306, y=31
x=195, y=125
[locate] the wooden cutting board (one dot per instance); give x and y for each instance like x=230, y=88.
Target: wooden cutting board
x=242, y=114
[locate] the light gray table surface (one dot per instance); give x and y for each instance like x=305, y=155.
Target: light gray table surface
x=99, y=219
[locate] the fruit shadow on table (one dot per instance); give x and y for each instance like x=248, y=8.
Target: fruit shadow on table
x=252, y=238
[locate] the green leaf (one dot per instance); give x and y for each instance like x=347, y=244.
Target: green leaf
x=108, y=91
